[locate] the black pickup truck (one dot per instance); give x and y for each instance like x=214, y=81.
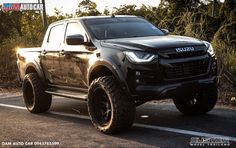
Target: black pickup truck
x=116, y=63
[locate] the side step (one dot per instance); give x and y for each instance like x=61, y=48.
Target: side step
x=69, y=94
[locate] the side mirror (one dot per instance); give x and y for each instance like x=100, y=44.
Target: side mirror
x=76, y=39
x=165, y=31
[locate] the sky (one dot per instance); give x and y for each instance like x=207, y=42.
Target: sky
x=70, y=6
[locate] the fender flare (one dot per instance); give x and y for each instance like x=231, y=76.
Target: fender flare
x=113, y=68
x=38, y=69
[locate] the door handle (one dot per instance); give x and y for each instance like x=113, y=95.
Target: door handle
x=66, y=53
x=44, y=52
x=62, y=52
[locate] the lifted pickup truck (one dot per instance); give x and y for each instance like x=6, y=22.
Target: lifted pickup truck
x=116, y=63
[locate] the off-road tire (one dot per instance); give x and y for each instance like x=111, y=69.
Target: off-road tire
x=122, y=108
x=36, y=100
x=205, y=101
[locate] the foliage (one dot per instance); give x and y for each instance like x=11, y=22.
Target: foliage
x=106, y=11
x=87, y=8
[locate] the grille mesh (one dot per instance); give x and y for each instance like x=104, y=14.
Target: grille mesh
x=186, y=69
x=186, y=54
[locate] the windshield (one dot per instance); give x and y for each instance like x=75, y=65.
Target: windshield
x=112, y=28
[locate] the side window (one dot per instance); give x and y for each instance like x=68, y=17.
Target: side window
x=56, y=34
x=74, y=28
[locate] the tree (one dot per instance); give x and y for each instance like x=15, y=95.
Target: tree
x=175, y=7
x=87, y=8
x=106, y=11
x=9, y=22
x=32, y=27
x=228, y=10
x=126, y=10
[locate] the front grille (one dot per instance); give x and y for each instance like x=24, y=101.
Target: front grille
x=170, y=53
x=186, y=69
x=186, y=54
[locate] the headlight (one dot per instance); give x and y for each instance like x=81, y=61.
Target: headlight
x=210, y=49
x=139, y=57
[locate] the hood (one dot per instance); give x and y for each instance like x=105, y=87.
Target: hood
x=153, y=42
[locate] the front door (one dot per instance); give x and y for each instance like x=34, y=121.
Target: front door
x=74, y=59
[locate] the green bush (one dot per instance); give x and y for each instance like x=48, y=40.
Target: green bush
x=224, y=42
x=8, y=48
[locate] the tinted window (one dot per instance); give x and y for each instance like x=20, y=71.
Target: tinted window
x=56, y=34
x=111, y=28
x=74, y=28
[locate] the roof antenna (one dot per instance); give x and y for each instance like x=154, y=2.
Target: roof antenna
x=113, y=15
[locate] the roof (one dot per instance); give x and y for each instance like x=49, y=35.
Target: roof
x=93, y=17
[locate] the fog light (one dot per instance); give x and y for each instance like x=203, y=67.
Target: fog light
x=144, y=116
x=137, y=81
x=138, y=73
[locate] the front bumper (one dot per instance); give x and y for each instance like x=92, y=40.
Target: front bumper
x=175, y=89
x=152, y=81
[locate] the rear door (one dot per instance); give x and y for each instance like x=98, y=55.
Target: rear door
x=50, y=53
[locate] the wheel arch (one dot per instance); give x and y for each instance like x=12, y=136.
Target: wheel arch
x=34, y=68
x=30, y=69
x=103, y=68
x=100, y=71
